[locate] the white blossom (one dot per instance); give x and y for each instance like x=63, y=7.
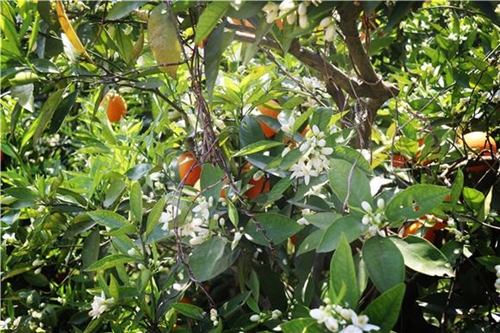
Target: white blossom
x=254, y=318
x=9, y=238
x=170, y=214
x=99, y=305
x=271, y=9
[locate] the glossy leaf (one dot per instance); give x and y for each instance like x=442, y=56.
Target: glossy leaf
x=138, y=171
x=47, y=113
x=422, y=256
x=384, y=310
x=343, y=282
x=122, y=9
x=189, y=310
x=414, y=202
x=256, y=147
x=210, y=17
x=136, y=201
x=163, y=39
x=109, y=262
x=384, y=263
x=275, y=226
x=91, y=247
x=349, y=226
x=108, y=219
x=154, y=215
x=211, y=258
x=349, y=183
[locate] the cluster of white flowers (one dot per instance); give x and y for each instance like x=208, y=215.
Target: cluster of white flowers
x=197, y=229
x=497, y=282
x=214, y=317
x=342, y=320
x=328, y=23
x=289, y=9
x=100, y=305
x=169, y=215
x=373, y=219
x=313, y=160
x=275, y=314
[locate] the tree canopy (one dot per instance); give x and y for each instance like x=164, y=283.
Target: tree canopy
x=250, y=166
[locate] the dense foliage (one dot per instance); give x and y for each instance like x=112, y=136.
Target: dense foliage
x=250, y=166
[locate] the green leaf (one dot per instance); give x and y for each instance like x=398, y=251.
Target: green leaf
x=217, y=42
x=114, y=192
x=384, y=262
x=211, y=181
x=21, y=193
x=136, y=201
x=138, y=171
x=122, y=9
x=62, y=111
x=210, y=18
x=302, y=325
x=277, y=190
x=257, y=147
x=473, y=198
x=276, y=227
x=46, y=113
x=349, y=183
x=349, y=226
x=311, y=242
x=352, y=156
x=109, y=262
x=422, y=256
x=343, y=281
x=414, y=202
x=189, y=310
x=91, y=247
x=211, y=258
x=154, y=215
x=108, y=219
x=163, y=39
x=384, y=310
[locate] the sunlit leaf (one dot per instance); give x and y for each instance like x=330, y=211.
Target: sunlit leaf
x=163, y=39
x=68, y=29
x=422, y=256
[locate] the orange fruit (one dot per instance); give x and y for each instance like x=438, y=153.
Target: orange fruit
x=117, y=108
x=398, y=161
x=270, y=109
x=429, y=234
x=189, y=168
x=261, y=185
x=412, y=228
x=479, y=141
x=294, y=239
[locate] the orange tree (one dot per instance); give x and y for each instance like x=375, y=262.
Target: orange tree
x=307, y=226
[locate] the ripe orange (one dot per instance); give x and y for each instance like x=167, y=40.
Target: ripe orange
x=429, y=232
x=117, y=108
x=270, y=109
x=398, y=161
x=481, y=143
x=189, y=168
x=261, y=185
